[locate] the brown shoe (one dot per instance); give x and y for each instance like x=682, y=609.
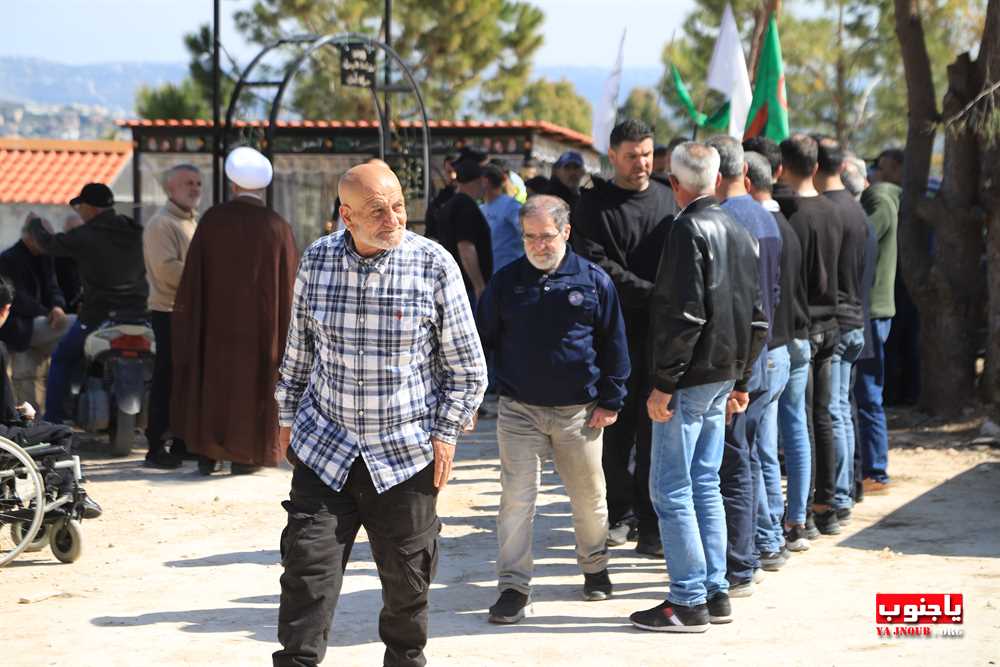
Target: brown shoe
x=874, y=487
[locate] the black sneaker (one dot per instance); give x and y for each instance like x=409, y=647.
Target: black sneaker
x=596, y=586
x=163, y=460
x=796, y=540
x=509, y=608
x=844, y=516
x=649, y=545
x=668, y=617
x=719, y=609
x=618, y=534
x=826, y=522
x=771, y=561
x=812, y=532
x=742, y=589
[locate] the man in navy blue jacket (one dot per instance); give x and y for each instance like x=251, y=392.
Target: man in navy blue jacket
x=554, y=322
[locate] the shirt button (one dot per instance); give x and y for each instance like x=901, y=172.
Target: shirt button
x=361, y=382
x=361, y=352
x=546, y=288
x=361, y=413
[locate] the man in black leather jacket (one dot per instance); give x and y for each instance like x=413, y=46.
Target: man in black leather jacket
x=708, y=327
x=108, y=251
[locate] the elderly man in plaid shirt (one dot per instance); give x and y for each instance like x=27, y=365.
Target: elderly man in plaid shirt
x=382, y=369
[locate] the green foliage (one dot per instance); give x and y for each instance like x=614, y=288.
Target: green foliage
x=172, y=101
x=453, y=46
x=557, y=102
x=643, y=104
x=843, y=70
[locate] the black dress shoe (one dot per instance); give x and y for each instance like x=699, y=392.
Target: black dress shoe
x=207, y=466
x=90, y=508
x=243, y=468
x=162, y=459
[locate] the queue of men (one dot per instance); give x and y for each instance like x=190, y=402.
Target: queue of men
x=663, y=340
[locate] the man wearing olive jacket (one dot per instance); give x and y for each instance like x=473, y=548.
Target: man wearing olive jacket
x=709, y=327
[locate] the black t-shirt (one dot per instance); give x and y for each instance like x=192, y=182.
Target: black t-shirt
x=791, y=317
x=558, y=189
x=820, y=231
x=787, y=198
x=623, y=232
x=461, y=220
x=851, y=268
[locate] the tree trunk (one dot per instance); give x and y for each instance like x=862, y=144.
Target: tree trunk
x=947, y=374
x=988, y=71
x=761, y=17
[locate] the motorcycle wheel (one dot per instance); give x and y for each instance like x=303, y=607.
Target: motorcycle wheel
x=122, y=434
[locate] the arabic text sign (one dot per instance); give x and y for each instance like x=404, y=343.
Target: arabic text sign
x=357, y=65
x=919, y=608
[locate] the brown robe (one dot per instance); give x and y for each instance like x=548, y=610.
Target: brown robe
x=229, y=326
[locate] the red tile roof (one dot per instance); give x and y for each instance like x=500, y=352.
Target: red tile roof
x=48, y=171
x=541, y=126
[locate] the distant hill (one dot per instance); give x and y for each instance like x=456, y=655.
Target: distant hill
x=110, y=85
x=113, y=85
x=589, y=81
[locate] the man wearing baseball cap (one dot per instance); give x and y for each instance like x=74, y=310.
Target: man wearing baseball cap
x=567, y=173
x=108, y=252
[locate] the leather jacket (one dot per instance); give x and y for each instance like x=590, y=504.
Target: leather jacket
x=707, y=320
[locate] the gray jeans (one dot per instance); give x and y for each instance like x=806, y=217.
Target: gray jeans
x=527, y=435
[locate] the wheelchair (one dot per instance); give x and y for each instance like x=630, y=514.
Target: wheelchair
x=38, y=508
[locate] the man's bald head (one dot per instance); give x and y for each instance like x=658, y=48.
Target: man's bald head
x=372, y=207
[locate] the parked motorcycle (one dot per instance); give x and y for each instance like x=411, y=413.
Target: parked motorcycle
x=113, y=392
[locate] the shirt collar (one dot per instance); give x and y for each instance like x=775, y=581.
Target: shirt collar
x=770, y=205
x=377, y=263
x=180, y=213
x=699, y=204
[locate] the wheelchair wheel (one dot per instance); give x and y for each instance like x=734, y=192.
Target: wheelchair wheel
x=66, y=540
x=41, y=537
x=22, y=500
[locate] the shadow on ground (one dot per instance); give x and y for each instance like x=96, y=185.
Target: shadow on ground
x=959, y=517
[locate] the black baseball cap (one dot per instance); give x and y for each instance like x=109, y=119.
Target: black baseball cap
x=95, y=194
x=467, y=170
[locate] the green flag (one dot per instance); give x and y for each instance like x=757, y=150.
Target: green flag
x=685, y=98
x=717, y=121
x=769, y=107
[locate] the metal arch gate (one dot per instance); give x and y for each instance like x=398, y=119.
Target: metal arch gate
x=314, y=43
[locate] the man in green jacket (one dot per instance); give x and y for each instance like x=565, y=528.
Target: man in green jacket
x=881, y=203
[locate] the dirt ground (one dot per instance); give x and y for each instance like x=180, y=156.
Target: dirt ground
x=183, y=570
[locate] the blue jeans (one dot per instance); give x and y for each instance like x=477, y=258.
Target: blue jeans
x=684, y=489
x=65, y=360
x=793, y=431
x=871, y=417
x=770, y=503
x=845, y=355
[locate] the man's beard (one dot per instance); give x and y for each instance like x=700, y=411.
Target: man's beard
x=548, y=263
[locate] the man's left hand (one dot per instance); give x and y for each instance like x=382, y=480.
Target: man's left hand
x=444, y=454
x=57, y=316
x=602, y=418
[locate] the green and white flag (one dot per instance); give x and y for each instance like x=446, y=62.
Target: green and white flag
x=727, y=73
x=769, y=108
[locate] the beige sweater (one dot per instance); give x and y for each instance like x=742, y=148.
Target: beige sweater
x=165, y=244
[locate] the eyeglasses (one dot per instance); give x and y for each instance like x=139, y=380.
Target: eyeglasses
x=540, y=238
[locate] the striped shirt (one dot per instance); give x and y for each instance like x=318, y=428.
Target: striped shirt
x=382, y=356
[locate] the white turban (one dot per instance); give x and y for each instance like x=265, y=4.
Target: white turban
x=249, y=169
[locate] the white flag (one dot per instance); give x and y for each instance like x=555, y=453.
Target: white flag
x=604, y=116
x=727, y=73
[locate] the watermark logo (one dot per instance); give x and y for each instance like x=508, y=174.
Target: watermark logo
x=918, y=614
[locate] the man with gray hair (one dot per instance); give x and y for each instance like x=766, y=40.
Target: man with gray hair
x=554, y=322
x=703, y=347
x=741, y=460
x=165, y=242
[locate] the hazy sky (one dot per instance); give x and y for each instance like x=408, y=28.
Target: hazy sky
x=577, y=32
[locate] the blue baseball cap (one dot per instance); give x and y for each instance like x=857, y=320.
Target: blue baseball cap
x=569, y=157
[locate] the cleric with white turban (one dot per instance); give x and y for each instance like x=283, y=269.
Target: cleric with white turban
x=248, y=170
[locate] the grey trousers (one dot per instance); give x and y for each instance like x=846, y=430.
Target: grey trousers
x=527, y=435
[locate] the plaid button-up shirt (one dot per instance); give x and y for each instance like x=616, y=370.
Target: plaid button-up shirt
x=382, y=356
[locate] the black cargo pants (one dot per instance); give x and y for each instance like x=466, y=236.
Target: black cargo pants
x=402, y=526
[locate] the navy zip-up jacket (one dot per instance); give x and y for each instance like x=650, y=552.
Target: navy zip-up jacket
x=559, y=338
